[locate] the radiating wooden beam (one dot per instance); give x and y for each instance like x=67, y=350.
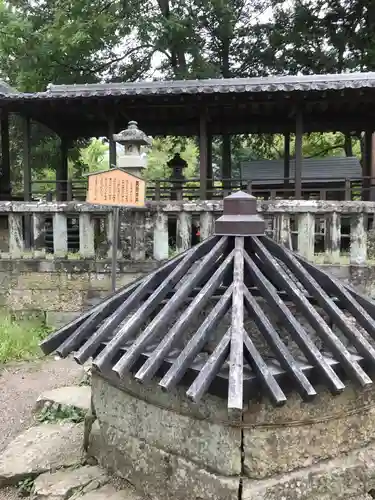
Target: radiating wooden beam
x=197, y=341
x=317, y=322
x=325, y=302
x=56, y=339
x=296, y=330
x=235, y=383
x=113, y=318
x=260, y=367
x=342, y=295
x=162, y=318
x=305, y=389
x=125, y=332
x=210, y=369
x=148, y=370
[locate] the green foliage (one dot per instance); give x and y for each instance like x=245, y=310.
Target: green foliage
x=163, y=150
x=19, y=339
x=75, y=41
x=55, y=412
x=26, y=486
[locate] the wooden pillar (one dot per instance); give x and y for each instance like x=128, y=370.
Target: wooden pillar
x=226, y=168
x=367, y=164
x=112, y=144
x=372, y=168
x=286, y=164
x=203, y=141
x=62, y=171
x=210, y=173
x=5, y=182
x=26, y=125
x=299, y=157
x=26, y=159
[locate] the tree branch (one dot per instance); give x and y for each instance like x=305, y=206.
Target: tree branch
x=328, y=149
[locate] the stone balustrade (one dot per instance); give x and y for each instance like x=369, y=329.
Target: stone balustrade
x=334, y=230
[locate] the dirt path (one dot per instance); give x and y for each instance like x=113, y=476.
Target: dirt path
x=20, y=386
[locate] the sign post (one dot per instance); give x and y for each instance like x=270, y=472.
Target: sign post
x=116, y=229
x=116, y=188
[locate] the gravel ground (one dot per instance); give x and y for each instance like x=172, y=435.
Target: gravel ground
x=20, y=386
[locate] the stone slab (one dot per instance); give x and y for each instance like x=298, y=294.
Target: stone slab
x=155, y=473
x=348, y=477
x=73, y=396
x=58, y=319
x=108, y=492
x=64, y=483
x=280, y=440
x=213, y=446
x=40, y=449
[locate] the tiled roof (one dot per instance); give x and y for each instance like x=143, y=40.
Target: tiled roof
x=330, y=169
x=209, y=86
x=235, y=312
x=7, y=89
x=230, y=85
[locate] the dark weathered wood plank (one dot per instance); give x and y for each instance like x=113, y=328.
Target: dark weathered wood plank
x=209, y=370
x=197, y=342
x=365, y=302
x=352, y=368
x=295, y=329
x=305, y=389
x=151, y=366
x=160, y=320
x=112, y=318
x=312, y=286
x=235, y=383
x=343, y=296
x=56, y=339
x=259, y=366
x=131, y=327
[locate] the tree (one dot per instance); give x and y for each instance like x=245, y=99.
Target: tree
x=65, y=41
x=321, y=36
x=163, y=150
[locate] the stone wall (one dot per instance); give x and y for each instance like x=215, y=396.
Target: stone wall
x=60, y=289
x=170, y=448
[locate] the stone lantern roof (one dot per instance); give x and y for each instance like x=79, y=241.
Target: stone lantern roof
x=233, y=315
x=132, y=135
x=132, y=138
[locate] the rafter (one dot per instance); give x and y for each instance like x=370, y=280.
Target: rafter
x=243, y=319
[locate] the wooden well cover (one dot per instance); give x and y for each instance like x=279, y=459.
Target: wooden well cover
x=115, y=187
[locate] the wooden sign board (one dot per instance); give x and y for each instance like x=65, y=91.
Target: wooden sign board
x=116, y=187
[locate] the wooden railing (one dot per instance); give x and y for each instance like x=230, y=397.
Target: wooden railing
x=334, y=232
x=167, y=189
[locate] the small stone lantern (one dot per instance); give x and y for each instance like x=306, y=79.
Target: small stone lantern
x=177, y=164
x=132, y=138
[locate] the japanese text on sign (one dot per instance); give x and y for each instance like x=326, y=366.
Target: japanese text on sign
x=116, y=187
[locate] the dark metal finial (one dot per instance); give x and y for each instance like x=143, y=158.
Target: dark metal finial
x=240, y=216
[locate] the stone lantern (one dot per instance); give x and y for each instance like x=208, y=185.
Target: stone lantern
x=132, y=138
x=177, y=177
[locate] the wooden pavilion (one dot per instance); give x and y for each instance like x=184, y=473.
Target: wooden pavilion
x=204, y=108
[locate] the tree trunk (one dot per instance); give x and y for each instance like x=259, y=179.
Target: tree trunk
x=348, y=146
